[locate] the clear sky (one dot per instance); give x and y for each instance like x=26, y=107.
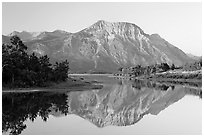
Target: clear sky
x=178, y=23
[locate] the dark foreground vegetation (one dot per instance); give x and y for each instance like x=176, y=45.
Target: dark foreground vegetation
x=22, y=70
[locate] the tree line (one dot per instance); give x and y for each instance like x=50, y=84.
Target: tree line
x=147, y=70
x=20, y=69
x=157, y=68
x=197, y=65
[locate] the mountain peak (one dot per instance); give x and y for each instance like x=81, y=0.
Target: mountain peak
x=114, y=29
x=13, y=33
x=102, y=21
x=59, y=31
x=156, y=35
x=27, y=36
x=100, y=24
x=107, y=23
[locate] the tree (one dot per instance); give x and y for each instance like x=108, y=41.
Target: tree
x=20, y=69
x=164, y=66
x=172, y=67
x=16, y=41
x=154, y=69
x=61, y=71
x=120, y=69
x=14, y=58
x=45, y=68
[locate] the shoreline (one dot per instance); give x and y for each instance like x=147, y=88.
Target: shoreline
x=69, y=85
x=187, y=78
x=77, y=83
x=190, y=78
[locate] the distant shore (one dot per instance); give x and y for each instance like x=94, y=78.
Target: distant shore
x=192, y=78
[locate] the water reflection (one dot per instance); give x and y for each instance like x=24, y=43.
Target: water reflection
x=126, y=103
x=19, y=107
x=120, y=104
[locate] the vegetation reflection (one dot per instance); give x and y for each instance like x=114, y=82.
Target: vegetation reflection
x=18, y=107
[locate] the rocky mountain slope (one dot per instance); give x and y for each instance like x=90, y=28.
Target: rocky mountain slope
x=194, y=57
x=103, y=47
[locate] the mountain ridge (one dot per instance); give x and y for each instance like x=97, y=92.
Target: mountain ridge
x=105, y=47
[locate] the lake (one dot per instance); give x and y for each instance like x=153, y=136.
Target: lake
x=120, y=107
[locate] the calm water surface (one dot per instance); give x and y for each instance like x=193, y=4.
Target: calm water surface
x=120, y=107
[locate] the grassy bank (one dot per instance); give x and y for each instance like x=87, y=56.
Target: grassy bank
x=69, y=85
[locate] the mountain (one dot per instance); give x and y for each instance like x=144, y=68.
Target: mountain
x=24, y=35
x=194, y=57
x=29, y=36
x=104, y=46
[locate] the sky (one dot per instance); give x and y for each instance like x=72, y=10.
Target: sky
x=178, y=23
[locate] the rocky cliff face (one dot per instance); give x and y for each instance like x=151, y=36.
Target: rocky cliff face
x=104, y=46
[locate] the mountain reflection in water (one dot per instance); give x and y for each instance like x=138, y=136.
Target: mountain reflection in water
x=121, y=104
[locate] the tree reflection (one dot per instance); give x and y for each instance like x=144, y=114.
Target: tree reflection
x=18, y=107
x=138, y=84
x=191, y=90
